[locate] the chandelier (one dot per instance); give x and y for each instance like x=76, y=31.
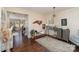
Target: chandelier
x=53, y=16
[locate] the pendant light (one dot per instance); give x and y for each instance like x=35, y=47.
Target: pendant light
x=53, y=14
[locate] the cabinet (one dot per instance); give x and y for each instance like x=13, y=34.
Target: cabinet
x=60, y=33
x=63, y=34
x=66, y=34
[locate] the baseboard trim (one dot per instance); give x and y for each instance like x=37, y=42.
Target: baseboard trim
x=61, y=39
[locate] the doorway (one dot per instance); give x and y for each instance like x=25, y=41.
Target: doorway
x=17, y=33
x=18, y=21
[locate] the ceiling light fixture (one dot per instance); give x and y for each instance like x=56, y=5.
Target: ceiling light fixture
x=54, y=14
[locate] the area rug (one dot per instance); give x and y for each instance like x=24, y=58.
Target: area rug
x=54, y=45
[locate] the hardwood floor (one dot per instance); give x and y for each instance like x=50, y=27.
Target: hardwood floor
x=30, y=46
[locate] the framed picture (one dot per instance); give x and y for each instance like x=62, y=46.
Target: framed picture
x=64, y=22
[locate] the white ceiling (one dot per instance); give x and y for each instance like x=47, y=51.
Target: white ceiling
x=46, y=10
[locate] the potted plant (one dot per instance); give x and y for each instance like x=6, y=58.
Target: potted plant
x=32, y=33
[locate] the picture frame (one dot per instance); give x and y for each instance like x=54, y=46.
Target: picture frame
x=64, y=22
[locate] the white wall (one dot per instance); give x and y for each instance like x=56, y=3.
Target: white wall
x=0, y=18
x=0, y=29
x=48, y=18
x=32, y=16
x=72, y=16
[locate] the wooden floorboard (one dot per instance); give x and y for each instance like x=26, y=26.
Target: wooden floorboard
x=30, y=47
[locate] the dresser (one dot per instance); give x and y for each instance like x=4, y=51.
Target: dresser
x=63, y=34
